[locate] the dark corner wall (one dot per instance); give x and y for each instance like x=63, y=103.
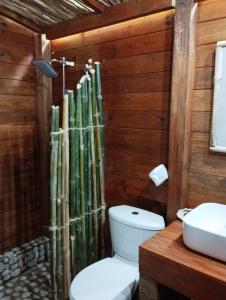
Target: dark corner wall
x=19, y=138
x=136, y=59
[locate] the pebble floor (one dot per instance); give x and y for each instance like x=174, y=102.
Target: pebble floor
x=32, y=284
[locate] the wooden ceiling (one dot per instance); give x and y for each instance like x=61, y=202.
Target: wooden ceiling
x=49, y=12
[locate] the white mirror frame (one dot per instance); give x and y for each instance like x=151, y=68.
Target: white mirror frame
x=218, y=130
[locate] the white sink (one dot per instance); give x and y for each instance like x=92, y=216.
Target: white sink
x=204, y=230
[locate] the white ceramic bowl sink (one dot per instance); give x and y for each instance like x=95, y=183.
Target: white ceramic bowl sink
x=204, y=230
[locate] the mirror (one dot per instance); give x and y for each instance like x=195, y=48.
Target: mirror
x=218, y=132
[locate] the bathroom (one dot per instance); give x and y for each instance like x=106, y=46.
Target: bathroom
x=157, y=62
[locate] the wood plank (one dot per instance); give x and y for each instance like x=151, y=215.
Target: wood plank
x=138, y=45
x=143, y=83
x=15, y=71
x=137, y=119
x=185, y=268
x=211, y=31
x=126, y=169
x=20, y=19
x=12, y=117
x=11, y=132
x=17, y=102
x=24, y=237
x=210, y=10
x=12, y=54
x=181, y=97
x=151, y=82
x=195, y=199
x=17, y=87
x=207, y=184
x=140, y=154
x=140, y=26
x=16, y=40
x=200, y=142
x=137, y=101
x=201, y=121
x=121, y=48
x=130, y=136
x=202, y=100
x=211, y=164
x=8, y=24
x=204, y=78
x=115, y=14
x=123, y=187
x=205, y=55
x=141, y=64
x=18, y=145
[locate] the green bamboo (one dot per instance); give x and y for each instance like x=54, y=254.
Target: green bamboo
x=53, y=195
x=65, y=200
x=72, y=144
x=95, y=158
x=80, y=107
x=79, y=183
x=100, y=141
x=85, y=132
x=91, y=186
x=58, y=214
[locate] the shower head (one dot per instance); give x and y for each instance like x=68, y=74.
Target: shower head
x=45, y=67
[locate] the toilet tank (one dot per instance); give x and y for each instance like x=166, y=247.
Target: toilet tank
x=130, y=227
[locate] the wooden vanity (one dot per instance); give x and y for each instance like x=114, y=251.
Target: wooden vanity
x=166, y=260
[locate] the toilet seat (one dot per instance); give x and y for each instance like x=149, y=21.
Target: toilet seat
x=109, y=279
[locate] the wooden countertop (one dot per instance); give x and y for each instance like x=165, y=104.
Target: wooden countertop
x=165, y=259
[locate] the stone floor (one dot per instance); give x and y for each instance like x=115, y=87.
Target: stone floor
x=32, y=284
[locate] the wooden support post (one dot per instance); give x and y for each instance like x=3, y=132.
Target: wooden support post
x=181, y=95
x=44, y=102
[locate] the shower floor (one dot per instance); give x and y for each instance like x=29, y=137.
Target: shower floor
x=32, y=284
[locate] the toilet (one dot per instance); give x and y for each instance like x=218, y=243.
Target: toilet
x=117, y=277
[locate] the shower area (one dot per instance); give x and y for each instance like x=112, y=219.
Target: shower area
x=35, y=73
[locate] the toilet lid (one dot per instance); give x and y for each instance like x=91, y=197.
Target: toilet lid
x=108, y=279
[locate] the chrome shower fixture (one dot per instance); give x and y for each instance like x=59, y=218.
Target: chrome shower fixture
x=46, y=68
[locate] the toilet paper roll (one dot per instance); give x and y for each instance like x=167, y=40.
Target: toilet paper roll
x=159, y=175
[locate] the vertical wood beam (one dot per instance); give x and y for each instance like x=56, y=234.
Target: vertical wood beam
x=44, y=101
x=181, y=95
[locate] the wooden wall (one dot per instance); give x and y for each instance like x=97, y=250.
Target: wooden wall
x=207, y=172
x=136, y=61
x=19, y=138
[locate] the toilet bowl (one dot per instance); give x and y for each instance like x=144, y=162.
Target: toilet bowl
x=108, y=279
x=117, y=277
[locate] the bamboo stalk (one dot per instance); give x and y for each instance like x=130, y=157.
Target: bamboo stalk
x=53, y=193
x=79, y=196
x=65, y=200
x=58, y=214
x=100, y=142
x=91, y=179
x=82, y=172
x=72, y=167
x=96, y=176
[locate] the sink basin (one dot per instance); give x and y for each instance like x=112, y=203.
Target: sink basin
x=204, y=230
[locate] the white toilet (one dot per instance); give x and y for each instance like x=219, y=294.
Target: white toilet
x=117, y=278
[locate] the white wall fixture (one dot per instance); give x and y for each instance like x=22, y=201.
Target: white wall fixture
x=218, y=132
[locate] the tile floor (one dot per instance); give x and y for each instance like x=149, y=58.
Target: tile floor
x=32, y=284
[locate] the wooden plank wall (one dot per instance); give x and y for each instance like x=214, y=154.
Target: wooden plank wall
x=136, y=59
x=19, y=138
x=207, y=174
